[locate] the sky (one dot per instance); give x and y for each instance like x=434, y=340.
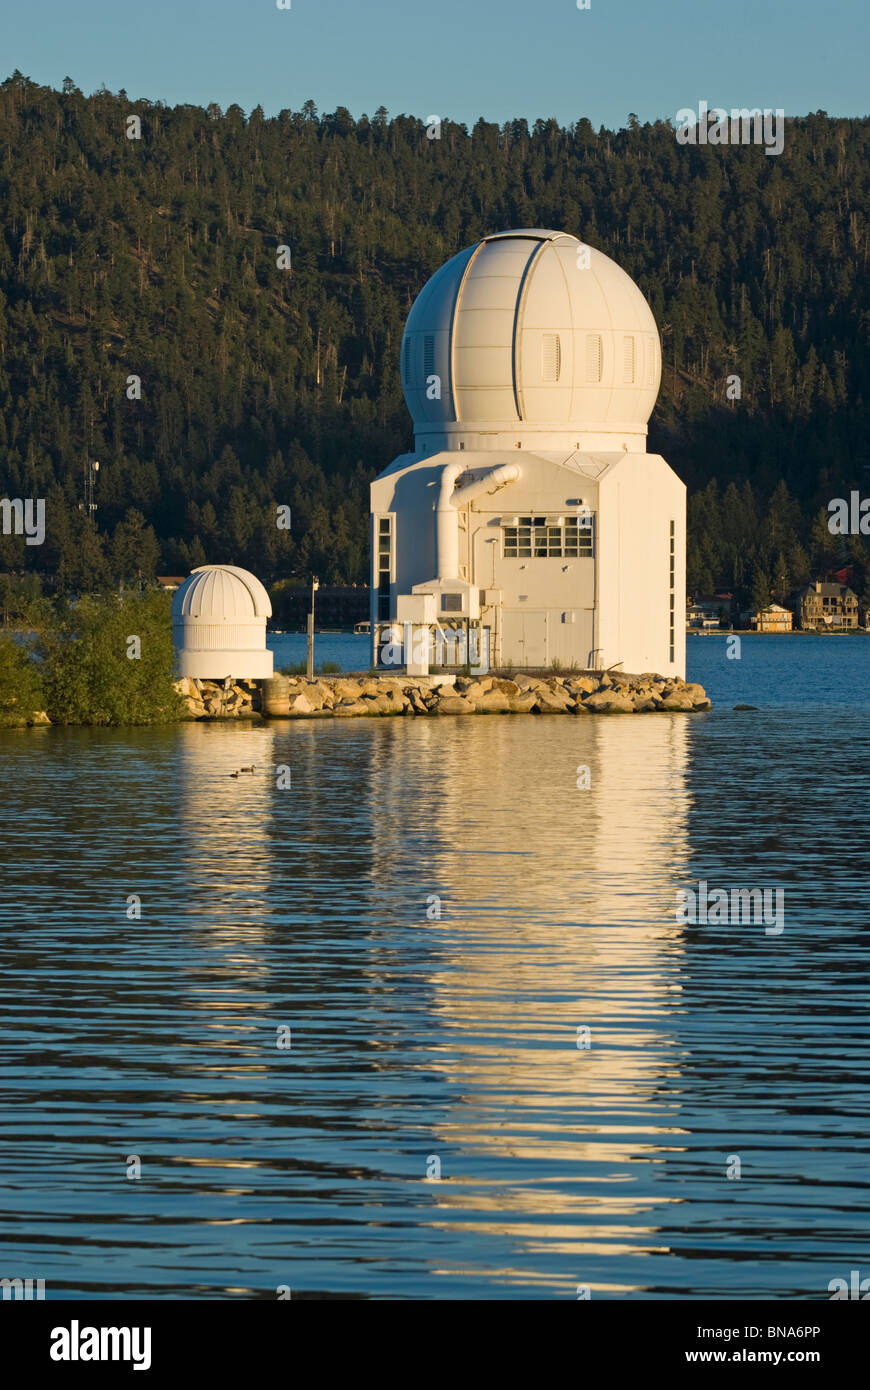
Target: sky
x=457, y=59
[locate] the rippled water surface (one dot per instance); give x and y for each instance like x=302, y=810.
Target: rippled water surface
x=419, y=1037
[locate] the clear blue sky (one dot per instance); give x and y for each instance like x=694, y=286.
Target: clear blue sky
x=454, y=58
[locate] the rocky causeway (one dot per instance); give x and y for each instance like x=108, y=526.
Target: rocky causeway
x=354, y=696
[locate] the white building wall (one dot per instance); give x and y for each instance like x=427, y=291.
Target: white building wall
x=639, y=497
x=613, y=608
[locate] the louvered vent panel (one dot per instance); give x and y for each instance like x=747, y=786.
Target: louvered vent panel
x=628, y=370
x=593, y=357
x=551, y=357
x=429, y=355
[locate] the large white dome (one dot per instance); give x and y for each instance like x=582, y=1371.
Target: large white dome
x=530, y=332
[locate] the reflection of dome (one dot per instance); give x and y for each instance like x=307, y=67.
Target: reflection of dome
x=528, y=331
x=219, y=624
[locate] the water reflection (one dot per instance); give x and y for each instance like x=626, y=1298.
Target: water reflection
x=416, y=1034
x=542, y=932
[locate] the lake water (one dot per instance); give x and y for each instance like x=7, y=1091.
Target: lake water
x=433, y=907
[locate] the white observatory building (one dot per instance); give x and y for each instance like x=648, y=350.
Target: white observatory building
x=219, y=625
x=530, y=513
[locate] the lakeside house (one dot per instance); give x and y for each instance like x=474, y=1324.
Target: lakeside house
x=822, y=607
x=773, y=618
x=707, y=613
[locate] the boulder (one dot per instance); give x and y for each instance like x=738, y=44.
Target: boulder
x=522, y=703
x=474, y=690
x=506, y=687
x=454, y=704
x=377, y=704
x=492, y=702
x=696, y=691
x=346, y=689
x=678, y=701
x=349, y=709
x=608, y=702
x=588, y=684
x=300, y=704
x=553, y=701
x=38, y=716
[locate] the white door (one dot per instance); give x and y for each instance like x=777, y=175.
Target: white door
x=524, y=637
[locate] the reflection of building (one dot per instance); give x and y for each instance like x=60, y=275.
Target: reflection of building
x=823, y=606
x=225, y=823
x=557, y=912
x=530, y=506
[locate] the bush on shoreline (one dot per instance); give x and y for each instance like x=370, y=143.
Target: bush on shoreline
x=110, y=662
x=20, y=684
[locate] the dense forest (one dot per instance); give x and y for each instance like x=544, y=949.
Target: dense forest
x=157, y=258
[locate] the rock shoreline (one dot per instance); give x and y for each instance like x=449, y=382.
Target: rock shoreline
x=347, y=697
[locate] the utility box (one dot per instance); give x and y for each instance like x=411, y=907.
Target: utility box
x=415, y=608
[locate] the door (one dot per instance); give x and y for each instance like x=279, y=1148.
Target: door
x=524, y=637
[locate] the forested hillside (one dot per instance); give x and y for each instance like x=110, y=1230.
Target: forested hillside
x=156, y=258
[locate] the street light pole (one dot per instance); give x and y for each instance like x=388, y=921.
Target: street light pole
x=315, y=585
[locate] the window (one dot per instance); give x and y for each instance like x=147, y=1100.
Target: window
x=551, y=356
x=673, y=556
x=384, y=573
x=593, y=357
x=550, y=538
x=451, y=603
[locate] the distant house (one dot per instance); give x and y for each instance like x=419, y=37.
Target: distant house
x=823, y=607
x=707, y=612
x=171, y=582
x=773, y=618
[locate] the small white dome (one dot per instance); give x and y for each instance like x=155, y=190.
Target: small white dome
x=530, y=331
x=221, y=593
x=219, y=625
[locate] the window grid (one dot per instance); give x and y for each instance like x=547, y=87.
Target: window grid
x=532, y=537
x=384, y=566
x=672, y=593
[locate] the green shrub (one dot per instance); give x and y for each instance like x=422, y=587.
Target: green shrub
x=20, y=685
x=300, y=668
x=88, y=676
